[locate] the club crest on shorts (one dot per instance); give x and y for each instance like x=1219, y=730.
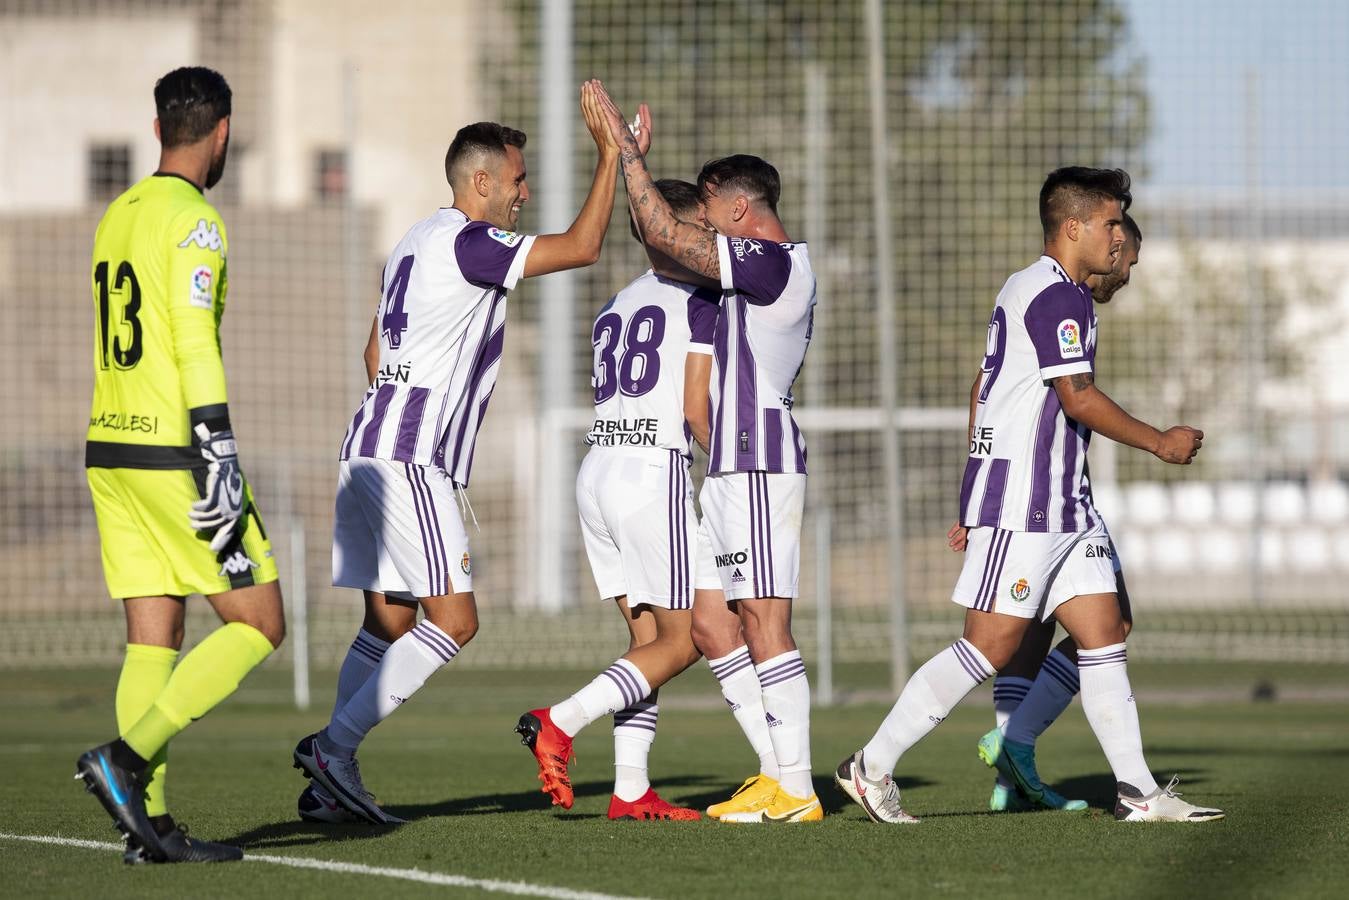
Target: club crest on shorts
x=466, y=564
x=1020, y=590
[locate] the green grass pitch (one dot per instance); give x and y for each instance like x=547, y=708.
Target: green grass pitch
x=449, y=762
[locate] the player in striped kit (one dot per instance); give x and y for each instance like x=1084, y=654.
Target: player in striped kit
x=1039, y=683
x=753, y=497
x=437, y=342
x=1027, y=502
x=636, y=504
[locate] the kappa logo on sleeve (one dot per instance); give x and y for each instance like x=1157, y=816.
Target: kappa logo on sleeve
x=1070, y=339
x=743, y=247
x=201, y=295
x=206, y=236
x=509, y=238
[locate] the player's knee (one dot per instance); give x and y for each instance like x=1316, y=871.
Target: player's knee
x=709, y=640
x=999, y=653
x=462, y=628
x=679, y=645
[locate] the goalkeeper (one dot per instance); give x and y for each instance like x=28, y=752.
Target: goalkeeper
x=175, y=516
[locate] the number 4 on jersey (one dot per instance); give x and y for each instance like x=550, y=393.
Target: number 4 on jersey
x=394, y=321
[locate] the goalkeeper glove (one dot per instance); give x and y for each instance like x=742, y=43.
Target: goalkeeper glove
x=223, y=505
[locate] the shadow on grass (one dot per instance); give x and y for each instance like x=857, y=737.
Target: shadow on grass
x=299, y=833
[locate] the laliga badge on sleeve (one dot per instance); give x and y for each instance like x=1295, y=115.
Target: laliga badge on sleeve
x=201, y=295
x=1070, y=339
x=509, y=238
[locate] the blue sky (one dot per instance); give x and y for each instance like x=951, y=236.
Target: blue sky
x=1198, y=54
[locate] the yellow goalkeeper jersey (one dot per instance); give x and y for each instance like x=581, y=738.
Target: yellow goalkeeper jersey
x=159, y=286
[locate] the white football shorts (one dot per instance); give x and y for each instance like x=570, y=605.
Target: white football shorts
x=753, y=523
x=1030, y=574
x=637, y=519
x=398, y=530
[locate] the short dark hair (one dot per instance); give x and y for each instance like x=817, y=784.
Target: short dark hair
x=1131, y=228
x=1072, y=192
x=682, y=196
x=480, y=137
x=754, y=177
x=189, y=102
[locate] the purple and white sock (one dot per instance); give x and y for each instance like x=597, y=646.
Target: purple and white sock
x=362, y=658
x=786, y=703
x=740, y=687
x=927, y=699
x=1008, y=693
x=634, y=733
x=1053, y=691
x=617, y=687
x=402, y=671
x=1108, y=701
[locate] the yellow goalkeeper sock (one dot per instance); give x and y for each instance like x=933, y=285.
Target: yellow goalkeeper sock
x=145, y=671
x=206, y=676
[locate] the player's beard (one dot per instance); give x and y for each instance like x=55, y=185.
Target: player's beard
x=1109, y=285
x=217, y=170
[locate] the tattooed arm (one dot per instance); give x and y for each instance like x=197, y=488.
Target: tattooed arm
x=688, y=245
x=1086, y=403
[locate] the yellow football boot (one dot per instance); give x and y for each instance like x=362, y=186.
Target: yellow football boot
x=756, y=793
x=783, y=808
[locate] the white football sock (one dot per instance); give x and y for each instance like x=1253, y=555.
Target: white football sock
x=362, y=658
x=634, y=733
x=928, y=698
x=740, y=686
x=1109, y=704
x=786, y=703
x=1049, y=696
x=617, y=687
x=1008, y=693
x=406, y=665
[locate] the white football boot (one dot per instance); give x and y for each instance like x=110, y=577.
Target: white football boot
x=317, y=805
x=341, y=778
x=1162, y=805
x=879, y=798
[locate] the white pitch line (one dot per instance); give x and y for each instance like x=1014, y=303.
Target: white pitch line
x=519, y=888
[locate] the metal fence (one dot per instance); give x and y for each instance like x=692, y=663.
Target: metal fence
x=912, y=138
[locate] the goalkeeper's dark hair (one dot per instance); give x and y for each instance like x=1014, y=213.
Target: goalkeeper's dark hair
x=1132, y=230
x=478, y=138
x=683, y=198
x=189, y=103
x=1073, y=192
x=749, y=175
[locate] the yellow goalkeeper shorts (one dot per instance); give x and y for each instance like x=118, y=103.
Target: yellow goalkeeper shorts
x=150, y=548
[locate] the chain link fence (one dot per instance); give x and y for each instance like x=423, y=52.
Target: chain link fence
x=1235, y=320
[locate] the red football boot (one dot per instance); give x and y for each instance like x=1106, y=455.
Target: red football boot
x=552, y=748
x=650, y=807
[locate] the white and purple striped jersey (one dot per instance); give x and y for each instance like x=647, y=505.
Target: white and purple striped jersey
x=763, y=328
x=1028, y=461
x=641, y=338
x=442, y=326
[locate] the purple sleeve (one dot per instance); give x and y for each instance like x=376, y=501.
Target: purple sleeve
x=703, y=308
x=1056, y=321
x=756, y=268
x=485, y=254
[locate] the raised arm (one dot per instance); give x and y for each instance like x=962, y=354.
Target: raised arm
x=1088, y=404
x=688, y=245
x=580, y=244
